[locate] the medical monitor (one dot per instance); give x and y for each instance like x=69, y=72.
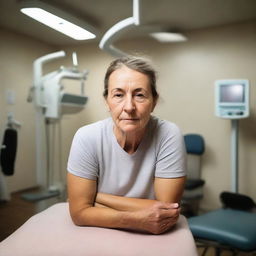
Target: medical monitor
x=232, y=98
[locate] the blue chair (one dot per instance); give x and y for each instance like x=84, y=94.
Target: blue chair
x=229, y=228
x=193, y=193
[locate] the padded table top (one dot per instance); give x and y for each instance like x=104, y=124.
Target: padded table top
x=52, y=232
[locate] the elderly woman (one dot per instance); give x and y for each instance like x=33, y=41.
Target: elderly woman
x=127, y=171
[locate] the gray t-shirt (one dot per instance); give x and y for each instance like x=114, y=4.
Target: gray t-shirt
x=95, y=154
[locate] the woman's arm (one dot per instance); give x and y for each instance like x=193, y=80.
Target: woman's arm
x=169, y=190
x=166, y=190
x=82, y=193
x=122, y=203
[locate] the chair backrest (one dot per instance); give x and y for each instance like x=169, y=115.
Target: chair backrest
x=195, y=147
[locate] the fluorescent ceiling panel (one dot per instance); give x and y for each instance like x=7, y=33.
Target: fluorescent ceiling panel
x=167, y=37
x=60, y=24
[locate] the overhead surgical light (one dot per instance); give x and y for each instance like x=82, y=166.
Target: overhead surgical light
x=168, y=37
x=58, y=20
x=124, y=26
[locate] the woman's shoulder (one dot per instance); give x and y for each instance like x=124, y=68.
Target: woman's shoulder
x=164, y=126
x=93, y=130
x=167, y=133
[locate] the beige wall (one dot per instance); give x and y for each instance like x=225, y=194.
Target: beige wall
x=17, y=54
x=187, y=72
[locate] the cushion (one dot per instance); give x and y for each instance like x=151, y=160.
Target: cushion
x=194, y=144
x=52, y=232
x=226, y=226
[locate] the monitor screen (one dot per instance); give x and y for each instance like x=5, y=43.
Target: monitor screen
x=233, y=93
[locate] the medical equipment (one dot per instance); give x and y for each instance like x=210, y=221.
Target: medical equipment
x=49, y=93
x=51, y=101
x=126, y=25
x=232, y=102
x=232, y=99
x=8, y=150
x=234, y=226
x=118, y=29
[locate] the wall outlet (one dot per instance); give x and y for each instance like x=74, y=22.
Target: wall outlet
x=10, y=97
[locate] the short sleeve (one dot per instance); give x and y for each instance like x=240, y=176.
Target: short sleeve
x=82, y=159
x=171, y=155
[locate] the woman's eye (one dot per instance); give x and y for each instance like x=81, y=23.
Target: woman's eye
x=118, y=95
x=140, y=95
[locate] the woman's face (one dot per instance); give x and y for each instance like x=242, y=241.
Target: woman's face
x=129, y=100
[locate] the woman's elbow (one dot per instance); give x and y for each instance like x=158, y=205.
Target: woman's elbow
x=77, y=220
x=80, y=217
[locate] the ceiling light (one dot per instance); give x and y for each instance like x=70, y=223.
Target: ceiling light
x=57, y=20
x=168, y=37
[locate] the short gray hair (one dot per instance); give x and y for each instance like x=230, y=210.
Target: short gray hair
x=139, y=64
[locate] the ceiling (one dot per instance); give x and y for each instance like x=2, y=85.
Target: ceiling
x=172, y=15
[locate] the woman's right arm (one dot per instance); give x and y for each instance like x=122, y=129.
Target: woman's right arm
x=81, y=196
x=82, y=193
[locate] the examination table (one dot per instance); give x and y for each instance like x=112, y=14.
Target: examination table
x=52, y=232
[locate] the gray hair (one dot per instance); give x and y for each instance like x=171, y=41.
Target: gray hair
x=139, y=64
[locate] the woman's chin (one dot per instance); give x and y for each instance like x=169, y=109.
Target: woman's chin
x=130, y=129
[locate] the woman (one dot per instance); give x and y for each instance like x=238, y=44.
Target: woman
x=127, y=171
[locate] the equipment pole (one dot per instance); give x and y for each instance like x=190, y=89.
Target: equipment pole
x=234, y=155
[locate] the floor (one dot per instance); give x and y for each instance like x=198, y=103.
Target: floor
x=14, y=213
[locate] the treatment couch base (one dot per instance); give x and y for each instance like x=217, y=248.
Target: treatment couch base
x=52, y=232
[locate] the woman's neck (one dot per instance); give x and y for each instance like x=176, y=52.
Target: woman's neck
x=129, y=142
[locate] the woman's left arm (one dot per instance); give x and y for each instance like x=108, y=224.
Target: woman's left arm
x=166, y=190
x=165, y=209
x=169, y=190
x=122, y=203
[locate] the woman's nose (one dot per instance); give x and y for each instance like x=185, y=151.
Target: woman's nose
x=129, y=104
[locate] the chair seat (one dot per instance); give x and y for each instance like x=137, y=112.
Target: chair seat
x=226, y=226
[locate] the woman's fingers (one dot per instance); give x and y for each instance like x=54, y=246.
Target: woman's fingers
x=166, y=210
x=169, y=213
x=159, y=218
x=163, y=205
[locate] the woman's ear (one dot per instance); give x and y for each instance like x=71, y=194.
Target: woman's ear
x=154, y=104
x=106, y=103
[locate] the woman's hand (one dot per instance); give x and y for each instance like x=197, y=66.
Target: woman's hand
x=158, y=218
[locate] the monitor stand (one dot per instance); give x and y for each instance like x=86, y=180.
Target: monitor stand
x=234, y=154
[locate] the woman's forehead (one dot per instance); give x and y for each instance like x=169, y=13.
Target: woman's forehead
x=126, y=77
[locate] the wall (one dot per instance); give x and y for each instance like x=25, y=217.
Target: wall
x=187, y=72
x=17, y=55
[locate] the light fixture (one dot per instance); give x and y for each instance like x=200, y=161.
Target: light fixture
x=168, y=37
x=127, y=24
x=58, y=20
